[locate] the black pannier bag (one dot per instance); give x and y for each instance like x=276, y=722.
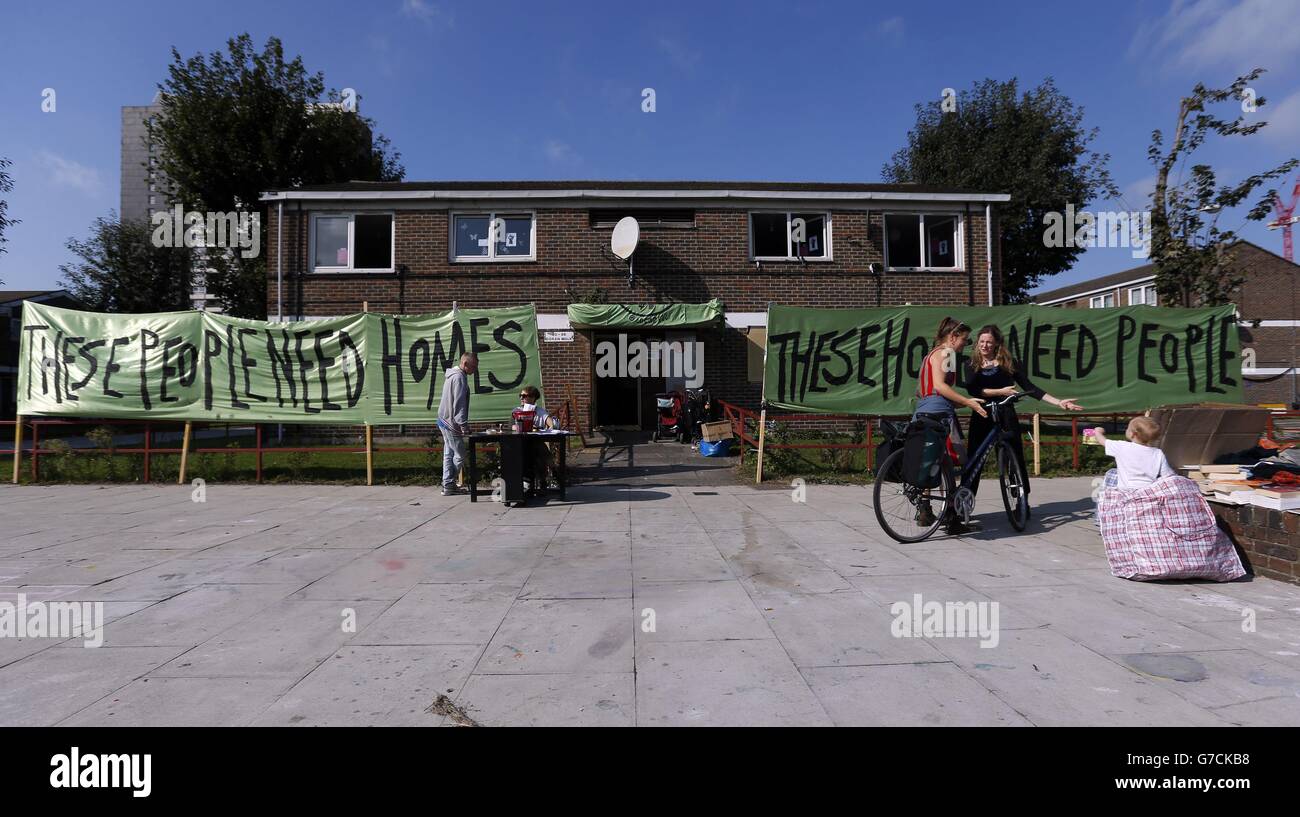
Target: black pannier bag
x=894, y=431
x=923, y=451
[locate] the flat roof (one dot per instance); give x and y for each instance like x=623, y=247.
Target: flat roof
x=636, y=189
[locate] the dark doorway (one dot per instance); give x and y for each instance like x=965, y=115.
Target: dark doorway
x=626, y=403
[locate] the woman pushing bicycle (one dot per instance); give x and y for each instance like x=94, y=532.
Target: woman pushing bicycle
x=939, y=400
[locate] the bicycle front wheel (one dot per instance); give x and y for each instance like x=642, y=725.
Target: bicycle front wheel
x=1015, y=496
x=905, y=512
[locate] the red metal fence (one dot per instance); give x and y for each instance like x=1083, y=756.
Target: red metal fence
x=744, y=424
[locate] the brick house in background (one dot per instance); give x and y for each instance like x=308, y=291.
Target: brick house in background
x=412, y=247
x=11, y=321
x=1268, y=303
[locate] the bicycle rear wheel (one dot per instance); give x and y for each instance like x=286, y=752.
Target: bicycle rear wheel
x=1015, y=497
x=907, y=513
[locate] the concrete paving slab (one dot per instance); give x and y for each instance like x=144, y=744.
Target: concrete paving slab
x=441, y=614
x=285, y=640
x=1220, y=678
x=677, y=564
x=606, y=699
x=181, y=702
x=840, y=629
x=907, y=695
x=723, y=683
x=588, y=636
x=1053, y=681
x=698, y=611
x=374, y=686
x=47, y=687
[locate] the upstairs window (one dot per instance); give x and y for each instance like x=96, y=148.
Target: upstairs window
x=789, y=236
x=1102, y=301
x=493, y=236
x=352, y=242
x=1143, y=295
x=923, y=241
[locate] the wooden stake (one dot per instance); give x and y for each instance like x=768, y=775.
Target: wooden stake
x=762, y=438
x=185, y=451
x=370, y=435
x=370, y=455
x=18, y=444
x=1037, y=447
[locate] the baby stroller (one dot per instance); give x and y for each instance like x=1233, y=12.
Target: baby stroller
x=671, y=422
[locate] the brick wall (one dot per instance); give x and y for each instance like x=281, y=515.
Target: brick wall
x=1270, y=539
x=672, y=264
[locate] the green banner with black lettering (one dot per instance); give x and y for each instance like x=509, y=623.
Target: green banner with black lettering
x=362, y=368
x=868, y=361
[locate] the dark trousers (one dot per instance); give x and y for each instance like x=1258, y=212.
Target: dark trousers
x=980, y=428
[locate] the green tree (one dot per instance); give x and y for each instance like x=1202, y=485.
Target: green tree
x=1190, y=252
x=1032, y=146
x=122, y=271
x=239, y=122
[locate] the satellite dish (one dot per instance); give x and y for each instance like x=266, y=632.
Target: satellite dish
x=626, y=233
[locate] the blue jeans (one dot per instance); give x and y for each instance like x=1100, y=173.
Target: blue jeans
x=453, y=456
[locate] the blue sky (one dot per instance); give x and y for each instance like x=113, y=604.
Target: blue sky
x=751, y=90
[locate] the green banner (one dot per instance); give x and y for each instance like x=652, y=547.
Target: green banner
x=868, y=361
x=658, y=316
x=362, y=368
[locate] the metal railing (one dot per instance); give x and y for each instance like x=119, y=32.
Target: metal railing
x=149, y=449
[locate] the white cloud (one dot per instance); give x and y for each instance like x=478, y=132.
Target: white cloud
x=1283, y=118
x=1236, y=34
x=430, y=14
x=891, y=28
x=67, y=173
x=560, y=153
x=681, y=56
x=1136, y=195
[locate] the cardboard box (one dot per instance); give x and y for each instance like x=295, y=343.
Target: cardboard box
x=1199, y=434
x=713, y=432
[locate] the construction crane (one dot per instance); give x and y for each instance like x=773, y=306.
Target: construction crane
x=1286, y=217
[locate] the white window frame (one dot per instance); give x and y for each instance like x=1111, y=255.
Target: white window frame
x=1093, y=301
x=959, y=239
x=491, y=257
x=789, y=244
x=351, y=216
x=1142, y=289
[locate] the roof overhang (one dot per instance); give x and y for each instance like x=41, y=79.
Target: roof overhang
x=667, y=194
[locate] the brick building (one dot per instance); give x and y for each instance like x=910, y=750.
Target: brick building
x=1268, y=302
x=407, y=247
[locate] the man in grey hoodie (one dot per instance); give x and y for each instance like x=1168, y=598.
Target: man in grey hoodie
x=453, y=419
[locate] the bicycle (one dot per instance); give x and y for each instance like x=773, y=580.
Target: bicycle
x=907, y=512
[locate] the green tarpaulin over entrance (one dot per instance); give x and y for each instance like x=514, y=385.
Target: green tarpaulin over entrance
x=646, y=316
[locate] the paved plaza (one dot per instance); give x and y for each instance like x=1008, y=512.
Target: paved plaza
x=634, y=603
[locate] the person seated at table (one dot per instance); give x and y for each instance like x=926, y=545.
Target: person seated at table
x=537, y=453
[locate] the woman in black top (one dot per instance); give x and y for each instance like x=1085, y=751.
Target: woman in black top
x=992, y=375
